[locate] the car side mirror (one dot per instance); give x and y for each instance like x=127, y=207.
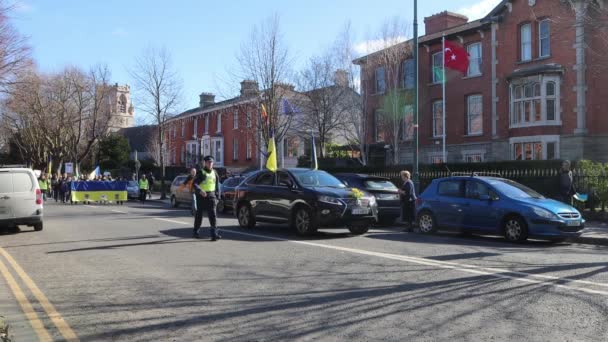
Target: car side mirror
x=485, y=198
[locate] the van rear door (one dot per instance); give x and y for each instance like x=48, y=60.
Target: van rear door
x=6, y=193
x=24, y=194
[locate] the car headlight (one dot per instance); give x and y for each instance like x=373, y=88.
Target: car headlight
x=329, y=199
x=543, y=213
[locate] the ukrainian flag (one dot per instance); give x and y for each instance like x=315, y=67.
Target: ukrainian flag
x=271, y=160
x=99, y=191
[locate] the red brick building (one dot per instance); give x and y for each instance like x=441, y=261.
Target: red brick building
x=534, y=88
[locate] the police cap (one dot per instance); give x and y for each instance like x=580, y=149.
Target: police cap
x=208, y=158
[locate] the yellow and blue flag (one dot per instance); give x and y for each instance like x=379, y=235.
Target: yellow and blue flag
x=271, y=159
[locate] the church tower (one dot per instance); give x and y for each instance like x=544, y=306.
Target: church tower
x=121, y=108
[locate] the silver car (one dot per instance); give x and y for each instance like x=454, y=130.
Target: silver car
x=180, y=193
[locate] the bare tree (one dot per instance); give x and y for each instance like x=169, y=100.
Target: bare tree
x=328, y=99
x=355, y=125
x=14, y=52
x=158, y=90
x=264, y=58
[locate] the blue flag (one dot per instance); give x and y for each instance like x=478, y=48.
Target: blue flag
x=313, y=158
x=288, y=108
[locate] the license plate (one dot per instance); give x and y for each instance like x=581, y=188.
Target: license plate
x=574, y=223
x=360, y=211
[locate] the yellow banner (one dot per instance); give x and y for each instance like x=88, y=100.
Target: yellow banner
x=96, y=196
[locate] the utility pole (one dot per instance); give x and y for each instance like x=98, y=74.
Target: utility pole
x=416, y=173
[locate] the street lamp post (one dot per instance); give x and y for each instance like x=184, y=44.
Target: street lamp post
x=416, y=174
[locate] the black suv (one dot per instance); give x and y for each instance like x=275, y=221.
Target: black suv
x=306, y=199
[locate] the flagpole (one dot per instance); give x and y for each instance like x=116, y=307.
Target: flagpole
x=416, y=157
x=443, y=95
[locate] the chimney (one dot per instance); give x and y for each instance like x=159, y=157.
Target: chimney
x=341, y=78
x=249, y=88
x=443, y=21
x=206, y=99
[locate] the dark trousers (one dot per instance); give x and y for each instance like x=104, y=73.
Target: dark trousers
x=408, y=212
x=142, y=195
x=208, y=204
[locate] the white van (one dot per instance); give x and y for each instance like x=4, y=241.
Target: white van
x=20, y=198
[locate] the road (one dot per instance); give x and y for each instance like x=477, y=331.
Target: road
x=132, y=273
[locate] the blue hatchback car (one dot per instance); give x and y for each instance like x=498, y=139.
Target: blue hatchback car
x=492, y=205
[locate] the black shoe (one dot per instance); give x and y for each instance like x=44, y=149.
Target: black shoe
x=215, y=238
x=195, y=235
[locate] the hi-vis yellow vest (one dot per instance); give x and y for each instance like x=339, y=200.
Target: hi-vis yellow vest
x=143, y=184
x=208, y=185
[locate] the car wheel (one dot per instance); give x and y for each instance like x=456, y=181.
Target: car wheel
x=174, y=202
x=426, y=223
x=245, y=216
x=358, y=229
x=38, y=226
x=303, y=222
x=515, y=229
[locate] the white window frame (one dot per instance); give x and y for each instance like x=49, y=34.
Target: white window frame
x=235, y=119
x=468, y=154
x=439, y=57
x=195, y=130
x=542, y=139
x=235, y=148
x=248, y=117
x=406, y=118
x=219, y=123
x=377, y=114
x=408, y=76
x=543, y=81
x=472, y=60
x=219, y=157
x=525, y=41
x=183, y=128
x=438, y=103
x=249, y=149
x=380, y=71
x=540, y=38
x=469, y=115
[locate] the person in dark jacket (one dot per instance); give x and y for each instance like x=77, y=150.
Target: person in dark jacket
x=566, y=183
x=207, y=190
x=408, y=201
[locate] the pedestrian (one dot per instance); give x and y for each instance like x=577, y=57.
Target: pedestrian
x=151, y=181
x=65, y=189
x=189, y=183
x=566, y=183
x=408, y=201
x=206, y=188
x=44, y=186
x=143, y=188
x=53, y=189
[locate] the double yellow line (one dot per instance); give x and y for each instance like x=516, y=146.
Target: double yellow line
x=26, y=306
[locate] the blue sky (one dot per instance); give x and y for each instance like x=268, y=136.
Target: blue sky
x=203, y=36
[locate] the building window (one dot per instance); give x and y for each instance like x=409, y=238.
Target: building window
x=474, y=115
x=473, y=157
x=235, y=149
x=235, y=119
x=207, y=123
x=380, y=81
x=249, y=148
x=437, y=67
x=122, y=103
x=248, y=122
x=544, y=34
x=195, y=129
x=183, y=159
x=540, y=147
x=219, y=123
x=409, y=68
x=408, y=122
x=535, y=101
x=174, y=130
x=474, y=51
x=436, y=158
x=437, y=119
x=525, y=37
x=378, y=125
x=183, y=128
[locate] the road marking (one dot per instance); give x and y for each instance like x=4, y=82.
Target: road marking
x=60, y=323
x=172, y=221
x=119, y=211
x=26, y=306
x=90, y=206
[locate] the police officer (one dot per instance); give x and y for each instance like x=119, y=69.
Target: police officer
x=143, y=188
x=207, y=190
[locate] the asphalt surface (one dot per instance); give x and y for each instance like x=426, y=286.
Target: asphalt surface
x=132, y=273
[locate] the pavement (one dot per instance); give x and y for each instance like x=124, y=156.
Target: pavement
x=595, y=232
x=133, y=273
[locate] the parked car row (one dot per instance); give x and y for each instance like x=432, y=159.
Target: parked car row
x=310, y=199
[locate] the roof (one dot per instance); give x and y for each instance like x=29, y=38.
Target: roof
x=138, y=136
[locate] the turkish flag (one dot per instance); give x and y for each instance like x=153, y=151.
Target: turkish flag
x=456, y=57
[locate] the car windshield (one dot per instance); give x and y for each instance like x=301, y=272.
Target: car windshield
x=379, y=184
x=318, y=179
x=514, y=189
x=132, y=183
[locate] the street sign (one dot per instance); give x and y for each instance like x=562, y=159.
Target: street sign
x=69, y=168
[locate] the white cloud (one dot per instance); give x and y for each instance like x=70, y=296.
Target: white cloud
x=120, y=32
x=478, y=10
x=373, y=45
x=23, y=7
